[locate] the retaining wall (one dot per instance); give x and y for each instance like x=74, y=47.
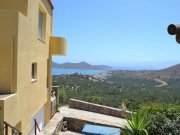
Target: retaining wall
x=82, y=105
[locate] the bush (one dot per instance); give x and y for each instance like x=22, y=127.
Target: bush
x=165, y=118
x=96, y=99
x=62, y=95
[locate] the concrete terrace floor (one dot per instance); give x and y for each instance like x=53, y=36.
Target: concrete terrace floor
x=92, y=117
x=69, y=133
x=89, y=117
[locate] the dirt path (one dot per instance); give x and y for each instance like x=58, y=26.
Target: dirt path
x=162, y=83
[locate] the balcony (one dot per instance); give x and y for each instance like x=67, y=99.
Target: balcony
x=9, y=108
x=58, y=46
x=15, y=5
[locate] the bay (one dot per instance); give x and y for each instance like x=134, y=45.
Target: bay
x=59, y=71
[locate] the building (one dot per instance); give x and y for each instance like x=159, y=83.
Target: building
x=26, y=49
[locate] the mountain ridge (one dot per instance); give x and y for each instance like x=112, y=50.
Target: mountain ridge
x=172, y=72
x=80, y=65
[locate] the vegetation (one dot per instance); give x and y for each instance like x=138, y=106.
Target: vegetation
x=117, y=89
x=62, y=95
x=96, y=99
x=165, y=118
x=137, y=123
x=132, y=89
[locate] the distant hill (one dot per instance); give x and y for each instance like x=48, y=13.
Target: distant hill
x=173, y=69
x=81, y=65
x=172, y=72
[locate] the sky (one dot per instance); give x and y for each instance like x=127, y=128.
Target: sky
x=118, y=32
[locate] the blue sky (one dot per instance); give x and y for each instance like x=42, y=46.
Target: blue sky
x=118, y=32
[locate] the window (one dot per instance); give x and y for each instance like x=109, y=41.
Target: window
x=34, y=72
x=40, y=25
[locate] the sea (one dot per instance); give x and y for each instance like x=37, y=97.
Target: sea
x=58, y=71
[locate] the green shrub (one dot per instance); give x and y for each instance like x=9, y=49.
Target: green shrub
x=165, y=118
x=96, y=99
x=137, y=123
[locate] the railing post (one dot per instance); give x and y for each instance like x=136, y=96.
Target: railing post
x=6, y=129
x=35, y=127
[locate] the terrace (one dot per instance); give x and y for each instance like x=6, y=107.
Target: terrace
x=71, y=120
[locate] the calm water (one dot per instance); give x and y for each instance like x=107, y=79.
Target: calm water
x=58, y=71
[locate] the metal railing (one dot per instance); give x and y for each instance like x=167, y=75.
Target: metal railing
x=36, y=126
x=6, y=129
x=7, y=126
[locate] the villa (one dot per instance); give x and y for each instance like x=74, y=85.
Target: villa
x=26, y=49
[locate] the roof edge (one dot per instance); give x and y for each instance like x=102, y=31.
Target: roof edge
x=50, y=3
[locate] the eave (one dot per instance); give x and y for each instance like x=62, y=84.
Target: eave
x=50, y=3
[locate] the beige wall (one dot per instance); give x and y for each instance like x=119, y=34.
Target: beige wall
x=19, y=48
x=8, y=45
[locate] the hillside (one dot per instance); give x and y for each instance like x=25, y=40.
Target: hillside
x=172, y=71
x=81, y=65
x=167, y=73
x=113, y=87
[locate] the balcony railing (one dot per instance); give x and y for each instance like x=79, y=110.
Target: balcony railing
x=36, y=126
x=13, y=129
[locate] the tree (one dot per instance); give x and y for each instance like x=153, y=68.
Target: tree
x=62, y=95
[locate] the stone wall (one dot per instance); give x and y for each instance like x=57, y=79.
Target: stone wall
x=54, y=126
x=81, y=105
x=77, y=125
